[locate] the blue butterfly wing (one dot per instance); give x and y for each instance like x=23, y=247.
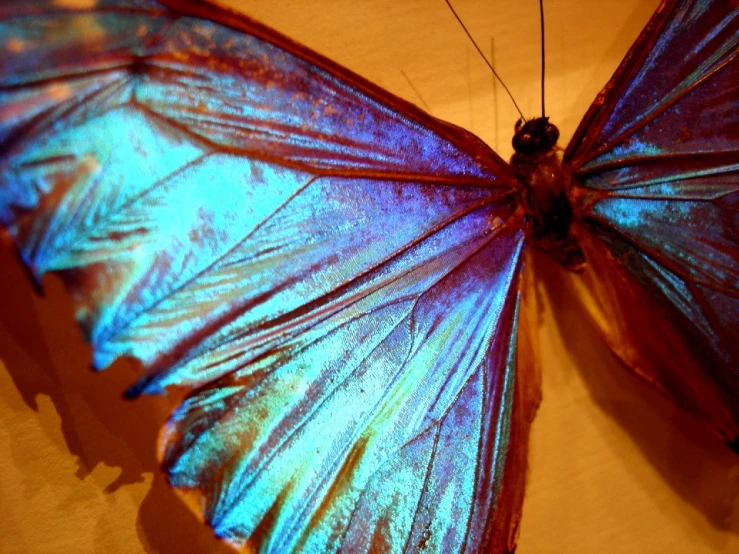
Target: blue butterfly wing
x=334, y=276
x=365, y=431
x=657, y=167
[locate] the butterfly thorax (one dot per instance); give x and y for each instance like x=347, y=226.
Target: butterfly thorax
x=544, y=193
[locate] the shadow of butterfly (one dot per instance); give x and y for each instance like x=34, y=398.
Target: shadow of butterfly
x=341, y=281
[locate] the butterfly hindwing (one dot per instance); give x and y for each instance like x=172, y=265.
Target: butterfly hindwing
x=367, y=431
x=334, y=275
x=656, y=162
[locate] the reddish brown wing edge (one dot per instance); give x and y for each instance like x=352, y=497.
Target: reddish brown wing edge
x=240, y=22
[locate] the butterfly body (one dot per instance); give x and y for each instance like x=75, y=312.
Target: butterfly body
x=339, y=280
x=546, y=186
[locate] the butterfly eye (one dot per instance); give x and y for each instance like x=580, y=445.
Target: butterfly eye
x=551, y=134
x=523, y=142
x=535, y=136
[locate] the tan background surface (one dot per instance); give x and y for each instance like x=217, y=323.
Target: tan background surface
x=613, y=468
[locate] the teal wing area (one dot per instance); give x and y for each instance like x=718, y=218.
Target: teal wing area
x=332, y=275
x=384, y=426
x=656, y=162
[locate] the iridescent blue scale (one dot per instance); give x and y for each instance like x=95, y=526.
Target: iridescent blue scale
x=337, y=279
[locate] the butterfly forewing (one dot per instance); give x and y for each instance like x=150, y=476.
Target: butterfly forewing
x=656, y=162
x=335, y=275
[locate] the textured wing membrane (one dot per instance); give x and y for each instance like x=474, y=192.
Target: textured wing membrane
x=297, y=107
x=332, y=274
x=375, y=429
x=657, y=165
x=683, y=60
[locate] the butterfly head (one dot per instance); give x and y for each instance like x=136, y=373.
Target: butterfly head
x=535, y=136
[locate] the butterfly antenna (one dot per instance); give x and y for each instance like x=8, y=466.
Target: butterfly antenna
x=472, y=40
x=543, y=58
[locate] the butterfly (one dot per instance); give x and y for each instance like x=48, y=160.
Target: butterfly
x=492, y=224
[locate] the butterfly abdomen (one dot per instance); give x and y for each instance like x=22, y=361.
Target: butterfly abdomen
x=544, y=192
